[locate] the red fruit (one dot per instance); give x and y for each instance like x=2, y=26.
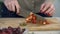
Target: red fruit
x=9, y=31
x=3, y=32
x=0, y=31
x=34, y=19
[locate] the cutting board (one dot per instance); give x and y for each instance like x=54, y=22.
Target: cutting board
x=15, y=22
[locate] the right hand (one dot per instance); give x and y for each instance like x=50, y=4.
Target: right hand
x=11, y=4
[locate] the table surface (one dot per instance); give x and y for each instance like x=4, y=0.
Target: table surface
x=14, y=22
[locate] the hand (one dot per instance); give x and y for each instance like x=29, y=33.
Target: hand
x=47, y=9
x=12, y=5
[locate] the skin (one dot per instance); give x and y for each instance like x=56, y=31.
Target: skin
x=46, y=8
x=11, y=4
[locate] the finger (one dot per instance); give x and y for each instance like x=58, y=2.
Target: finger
x=51, y=8
x=17, y=7
x=9, y=6
x=42, y=6
x=52, y=12
x=13, y=7
x=46, y=7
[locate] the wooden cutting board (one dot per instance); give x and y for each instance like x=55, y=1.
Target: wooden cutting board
x=15, y=22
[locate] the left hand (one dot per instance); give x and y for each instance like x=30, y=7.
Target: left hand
x=47, y=9
x=12, y=5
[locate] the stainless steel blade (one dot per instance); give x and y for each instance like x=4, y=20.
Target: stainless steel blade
x=25, y=14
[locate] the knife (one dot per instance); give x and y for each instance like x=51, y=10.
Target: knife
x=25, y=14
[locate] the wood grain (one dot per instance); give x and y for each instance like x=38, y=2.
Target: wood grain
x=14, y=22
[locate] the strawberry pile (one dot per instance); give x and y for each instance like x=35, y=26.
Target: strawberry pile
x=11, y=30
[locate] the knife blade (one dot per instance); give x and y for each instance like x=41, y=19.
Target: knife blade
x=25, y=14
